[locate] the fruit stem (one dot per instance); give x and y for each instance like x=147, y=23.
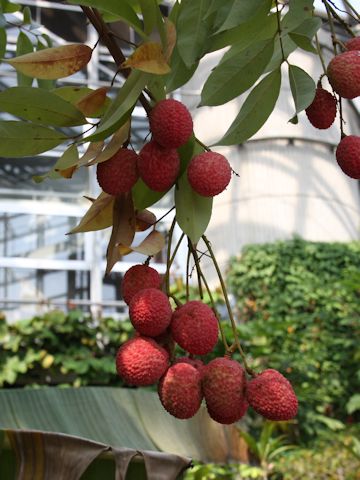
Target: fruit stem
x=168, y=256
x=197, y=266
x=205, y=147
x=279, y=30
x=318, y=48
x=187, y=274
x=356, y=16
x=339, y=19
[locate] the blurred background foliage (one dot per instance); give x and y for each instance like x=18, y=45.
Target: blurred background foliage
x=297, y=305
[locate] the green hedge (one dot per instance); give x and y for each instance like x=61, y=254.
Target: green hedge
x=298, y=303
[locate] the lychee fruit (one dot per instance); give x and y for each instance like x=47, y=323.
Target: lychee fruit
x=344, y=74
x=209, y=173
x=166, y=341
x=141, y=361
x=195, y=362
x=137, y=278
x=180, y=390
x=170, y=123
x=224, y=384
x=348, y=156
x=158, y=166
x=118, y=174
x=271, y=395
x=194, y=327
x=353, y=44
x=150, y=312
x=322, y=111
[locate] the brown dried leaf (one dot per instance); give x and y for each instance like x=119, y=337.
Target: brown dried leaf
x=123, y=250
x=151, y=245
x=170, y=38
x=68, y=172
x=144, y=220
x=53, y=63
x=148, y=58
x=123, y=230
x=99, y=215
x=114, y=145
x=93, y=149
x=91, y=103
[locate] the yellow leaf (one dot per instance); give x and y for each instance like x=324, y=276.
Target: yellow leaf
x=53, y=63
x=68, y=172
x=123, y=250
x=99, y=215
x=92, y=151
x=114, y=145
x=144, y=220
x=151, y=245
x=170, y=38
x=91, y=103
x=148, y=58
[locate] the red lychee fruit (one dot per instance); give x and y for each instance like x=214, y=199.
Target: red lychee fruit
x=344, y=74
x=271, y=395
x=118, y=174
x=170, y=123
x=209, y=174
x=353, y=44
x=194, y=327
x=348, y=156
x=195, y=362
x=141, y=361
x=137, y=278
x=166, y=341
x=158, y=166
x=150, y=312
x=322, y=112
x=224, y=384
x=180, y=390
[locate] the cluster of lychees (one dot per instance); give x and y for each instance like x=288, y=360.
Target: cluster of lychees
x=183, y=382
x=158, y=162
x=343, y=73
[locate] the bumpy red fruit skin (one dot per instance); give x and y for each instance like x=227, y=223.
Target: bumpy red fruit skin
x=195, y=362
x=141, y=361
x=224, y=385
x=353, y=44
x=180, y=390
x=209, y=174
x=137, y=278
x=118, y=174
x=150, y=312
x=171, y=123
x=158, y=166
x=322, y=112
x=348, y=156
x=194, y=327
x=271, y=395
x=344, y=74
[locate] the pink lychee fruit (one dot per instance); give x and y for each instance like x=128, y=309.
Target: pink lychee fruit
x=158, y=166
x=180, y=390
x=170, y=123
x=209, y=173
x=137, y=278
x=195, y=362
x=166, y=341
x=322, y=111
x=271, y=395
x=150, y=312
x=141, y=361
x=348, y=156
x=344, y=74
x=224, y=384
x=353, y=44
x=194, y=327
x=118, y=174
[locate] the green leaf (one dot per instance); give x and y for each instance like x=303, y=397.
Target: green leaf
x=119, y=8
x=21, y=139
x=288, y=46
x=8, y=7
x=143, y=196
x=192, y=30
x=180, y=73
x=243, y=10
x=3, y=40
x=119, y=110
x=193, y=211
x=236, y=73
x=40, y=106
x=299, y=10
x=26, y=16
x=153, y=19
x=303, y=34
x=23, y=46
x=353, y=404
x=302, y=88
x=255, y=111
x=250, y=441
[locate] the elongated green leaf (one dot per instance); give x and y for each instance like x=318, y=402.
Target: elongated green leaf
x=120, y=9
x=255, y=110
x=8, y=7
x=3, y=40
x=40, y=106
x=243, y=10
x=193, y=30
x=193, y=211
x=302, y=88
x=299, y=10
x=119, y=110
x=236, y=73
x=303, y=34
x=153, y=19
x=250, y=441
x=353, y=404
x=143, y=196
x=180, y=73
x=220, y=10
x=288, y=46
x=23, y=46
x=21, y=139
